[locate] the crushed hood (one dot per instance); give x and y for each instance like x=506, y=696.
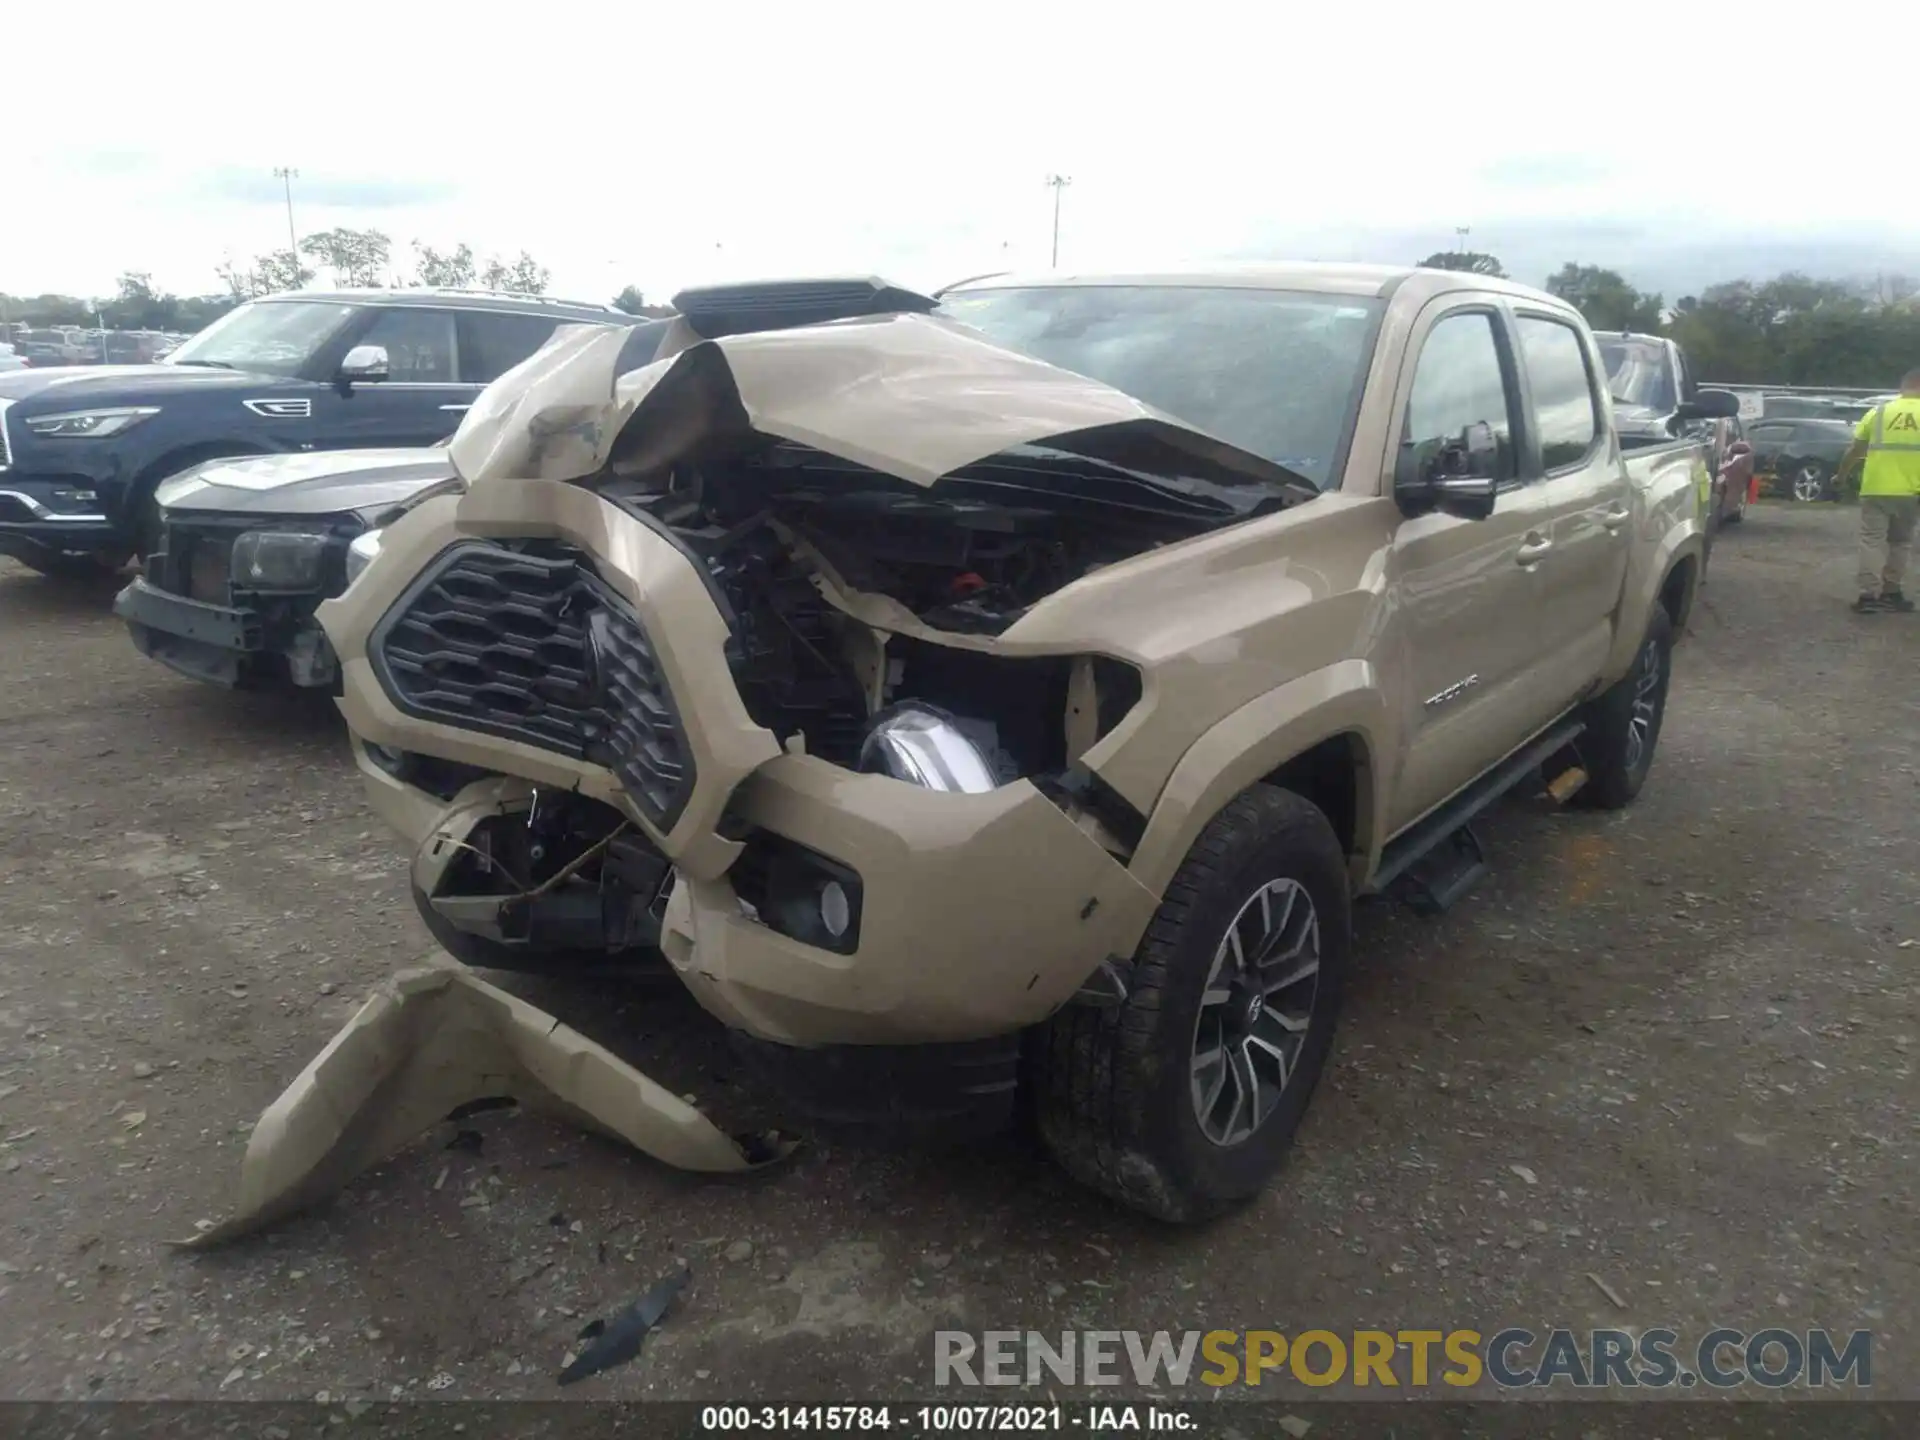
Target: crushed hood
x=914, y=396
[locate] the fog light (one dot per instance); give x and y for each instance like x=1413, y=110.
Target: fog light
x=836, y=911
x=798, y=892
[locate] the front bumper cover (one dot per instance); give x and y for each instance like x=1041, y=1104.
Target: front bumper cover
x=432, y=1039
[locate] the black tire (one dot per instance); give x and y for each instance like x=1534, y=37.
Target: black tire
x=477, y=952
x=1113, y=1090
x=1616, y=767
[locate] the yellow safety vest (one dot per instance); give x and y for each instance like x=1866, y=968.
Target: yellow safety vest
x=1892, y=433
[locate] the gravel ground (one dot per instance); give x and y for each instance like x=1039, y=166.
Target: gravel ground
x=1659, y=1069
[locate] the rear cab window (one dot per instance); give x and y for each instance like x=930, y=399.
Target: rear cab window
x=1566, y=407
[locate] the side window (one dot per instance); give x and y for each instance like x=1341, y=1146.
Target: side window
x=1457, y=383
x=419, y=344
x=1562, y=383
x=492, y=344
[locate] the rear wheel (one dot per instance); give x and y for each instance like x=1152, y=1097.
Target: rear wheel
x=1182, y=1101
x=1623, y=724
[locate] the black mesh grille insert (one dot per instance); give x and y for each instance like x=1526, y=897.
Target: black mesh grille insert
x=534, y=646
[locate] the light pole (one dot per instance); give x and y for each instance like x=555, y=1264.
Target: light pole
x=1059, y=183
x=286, y=177
x=1460, y=233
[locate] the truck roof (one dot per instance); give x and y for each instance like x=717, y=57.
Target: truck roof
x=1325, y=277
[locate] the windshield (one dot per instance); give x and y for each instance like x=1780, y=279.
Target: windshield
x=1639, y=374
x=273, y=337
x=1275, y=372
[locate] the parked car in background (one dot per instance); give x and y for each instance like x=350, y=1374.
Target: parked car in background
x=251, y=547
x=83, y=451
x=1797, y=458
x=1732, y=461
x=1649, y=379
x=9, y=359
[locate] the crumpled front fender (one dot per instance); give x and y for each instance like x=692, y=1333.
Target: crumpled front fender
x=432, y=1039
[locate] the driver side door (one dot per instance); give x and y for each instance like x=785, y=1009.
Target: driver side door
x=1460, y=585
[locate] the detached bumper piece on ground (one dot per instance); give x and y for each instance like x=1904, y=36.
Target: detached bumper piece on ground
x=430, y=1040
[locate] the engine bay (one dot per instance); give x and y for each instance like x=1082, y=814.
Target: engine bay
x=779, y=533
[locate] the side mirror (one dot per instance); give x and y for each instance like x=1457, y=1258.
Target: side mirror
x=1739, y=450
x=1710, y=405
x=1460, y=478
x=364, y=362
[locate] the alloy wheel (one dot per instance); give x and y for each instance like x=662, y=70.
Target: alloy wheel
x=1809, y=484
x=1646, y=706
x=1255, y=1011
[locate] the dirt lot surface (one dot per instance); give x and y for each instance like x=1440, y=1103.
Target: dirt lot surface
x=1659, y=1069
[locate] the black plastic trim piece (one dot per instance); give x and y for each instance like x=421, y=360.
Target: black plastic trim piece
x=1400, y=853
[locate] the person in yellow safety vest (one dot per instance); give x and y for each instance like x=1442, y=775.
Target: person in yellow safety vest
x=1888, y=438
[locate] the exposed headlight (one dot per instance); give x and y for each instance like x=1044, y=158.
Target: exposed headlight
x=278, y=560
x=362, y=553
x=88, y=424
x=923, y=746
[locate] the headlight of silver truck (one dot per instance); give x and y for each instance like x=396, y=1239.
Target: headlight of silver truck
x=278, y=560
x=362, y=553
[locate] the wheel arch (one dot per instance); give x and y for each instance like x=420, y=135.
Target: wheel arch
x=1321, y=736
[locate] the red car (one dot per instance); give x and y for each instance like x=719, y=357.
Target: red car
x=1733, y=484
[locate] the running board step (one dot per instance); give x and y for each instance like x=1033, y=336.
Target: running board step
x=1432, y=884
x=1459, y=862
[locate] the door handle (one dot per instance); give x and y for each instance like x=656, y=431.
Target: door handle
x=1617, y=518
x=1532, y=548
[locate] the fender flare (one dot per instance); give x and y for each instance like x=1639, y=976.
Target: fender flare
x=1251, y=743
x=1682, y=542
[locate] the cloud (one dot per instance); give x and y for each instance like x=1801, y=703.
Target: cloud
x=1545, y=171
x=251, y=186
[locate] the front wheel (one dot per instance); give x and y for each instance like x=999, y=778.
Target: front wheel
x=1623, y=724
x=1182, y=1101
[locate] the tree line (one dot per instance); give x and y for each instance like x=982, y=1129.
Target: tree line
x=352, y=259
x=1790, y=330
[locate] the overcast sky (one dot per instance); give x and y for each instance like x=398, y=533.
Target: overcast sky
x=662, y=146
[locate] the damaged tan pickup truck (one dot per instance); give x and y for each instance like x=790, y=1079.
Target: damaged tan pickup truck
x=1009, y=693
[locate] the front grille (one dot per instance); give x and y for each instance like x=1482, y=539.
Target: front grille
x=534, y=646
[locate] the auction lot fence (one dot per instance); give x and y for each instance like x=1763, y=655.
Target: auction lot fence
x=587, y=1420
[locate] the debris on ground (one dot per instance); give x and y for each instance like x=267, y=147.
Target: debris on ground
x=437, y=1043
x=618, y=1340
x=1608, y=1291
